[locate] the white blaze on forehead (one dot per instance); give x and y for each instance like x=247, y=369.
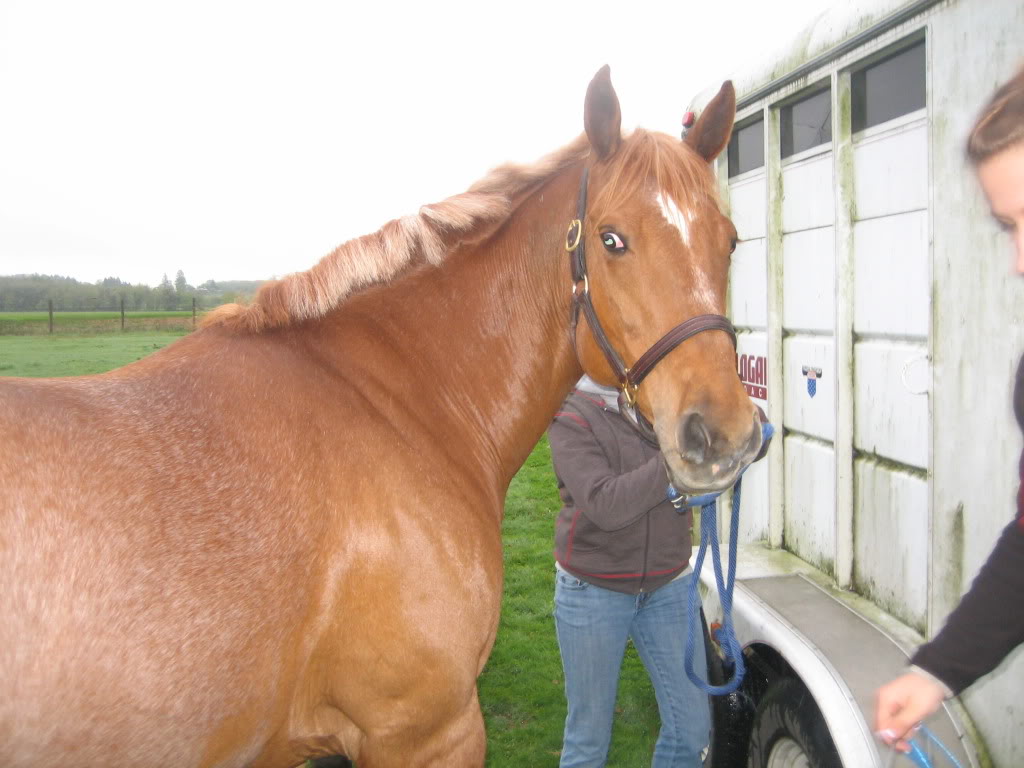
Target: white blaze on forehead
x=681, y=220
x=703, y=295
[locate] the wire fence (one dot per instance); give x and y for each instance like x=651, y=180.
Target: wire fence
x=108, y=320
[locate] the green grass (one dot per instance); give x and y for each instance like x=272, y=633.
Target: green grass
x=521, y=687
x=63, y=355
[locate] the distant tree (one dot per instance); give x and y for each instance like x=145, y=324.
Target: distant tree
x=19, y=293
x=166, y=296
x=181, y=286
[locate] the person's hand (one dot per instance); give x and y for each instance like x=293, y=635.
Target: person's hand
x=903, y=703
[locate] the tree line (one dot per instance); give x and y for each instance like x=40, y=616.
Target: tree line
x=27, y=293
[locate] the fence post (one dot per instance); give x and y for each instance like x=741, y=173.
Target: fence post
x=49, y=303
x=193, y=313
x=122, y=313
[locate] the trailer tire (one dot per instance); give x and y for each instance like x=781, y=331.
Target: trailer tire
x=789, y=730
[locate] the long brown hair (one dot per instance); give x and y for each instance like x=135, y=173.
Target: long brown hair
x=1001, y=123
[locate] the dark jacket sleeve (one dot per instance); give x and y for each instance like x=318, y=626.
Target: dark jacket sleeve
x=987, y=624
x=609, y=500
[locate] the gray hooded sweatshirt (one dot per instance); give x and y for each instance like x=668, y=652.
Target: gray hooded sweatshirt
x=617, y=528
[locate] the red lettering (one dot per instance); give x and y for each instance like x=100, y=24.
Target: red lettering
x=753, y=372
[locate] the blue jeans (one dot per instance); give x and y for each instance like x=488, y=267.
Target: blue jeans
x=593, y=626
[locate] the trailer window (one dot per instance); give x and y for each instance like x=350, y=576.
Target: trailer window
x=806, y=123
x=889, y=88
x=746, y=148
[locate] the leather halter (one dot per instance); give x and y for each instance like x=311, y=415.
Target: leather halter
x=629, y=378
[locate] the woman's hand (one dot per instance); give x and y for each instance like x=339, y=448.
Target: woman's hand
x=902, y=704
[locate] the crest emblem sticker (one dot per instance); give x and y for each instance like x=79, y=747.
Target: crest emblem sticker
x=812, y=375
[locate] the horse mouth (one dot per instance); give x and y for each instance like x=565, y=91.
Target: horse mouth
x=698, y=466
x=690, y=479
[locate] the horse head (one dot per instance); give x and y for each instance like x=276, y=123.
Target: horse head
x=658, y=250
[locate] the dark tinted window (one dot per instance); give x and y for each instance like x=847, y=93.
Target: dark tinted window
x=806, y=123
x=746, y=148
x=889, y=88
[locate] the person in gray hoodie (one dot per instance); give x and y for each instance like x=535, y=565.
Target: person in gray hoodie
x=622, y=555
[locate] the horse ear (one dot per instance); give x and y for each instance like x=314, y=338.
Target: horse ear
x=601, y=117
x=711, y=133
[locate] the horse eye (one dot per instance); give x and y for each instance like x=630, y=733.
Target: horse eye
x=732, y=246
x=612, y=242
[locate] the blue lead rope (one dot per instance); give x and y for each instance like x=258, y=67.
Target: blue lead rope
x=709, y=536
x=917, y=756
x=726, y=635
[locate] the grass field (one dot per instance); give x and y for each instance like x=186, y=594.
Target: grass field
x=521, y=687
x=24, y=323
x=65, y=355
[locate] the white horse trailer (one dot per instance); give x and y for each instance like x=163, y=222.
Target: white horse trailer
x=880, y=326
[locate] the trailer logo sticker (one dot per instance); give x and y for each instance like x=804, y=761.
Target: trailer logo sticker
x=812, y=374
x=753, y=371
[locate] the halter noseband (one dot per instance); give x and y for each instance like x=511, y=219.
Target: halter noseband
x=629, y=378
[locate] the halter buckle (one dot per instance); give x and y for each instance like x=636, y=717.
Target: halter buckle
x=629, y=391
x=573, y=235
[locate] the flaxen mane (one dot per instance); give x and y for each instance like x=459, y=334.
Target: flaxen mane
x=440, y=227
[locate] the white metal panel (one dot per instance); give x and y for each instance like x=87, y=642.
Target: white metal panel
x=752, y=366
x=808, y=200
x=810, y=501
x=810, y=400
x=891, y=291
x=891, y=546
x=747, y=207
x=754, y=504
x=748, y=285
x=889, y=418
x=808, y=280
x=891, y=172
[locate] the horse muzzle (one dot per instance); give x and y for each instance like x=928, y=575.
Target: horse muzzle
x=702, y=459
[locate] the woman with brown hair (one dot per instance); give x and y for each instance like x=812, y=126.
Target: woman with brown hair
x=988, y=623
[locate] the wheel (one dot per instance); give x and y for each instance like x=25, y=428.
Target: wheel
x=731, y=715
x=789, y=730
x=331, y=762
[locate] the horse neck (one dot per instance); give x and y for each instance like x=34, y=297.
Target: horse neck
x=488, y=333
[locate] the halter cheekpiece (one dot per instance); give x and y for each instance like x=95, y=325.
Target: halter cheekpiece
x=629, y=378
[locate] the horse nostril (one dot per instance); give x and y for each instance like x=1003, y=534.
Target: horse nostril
x=694, y=439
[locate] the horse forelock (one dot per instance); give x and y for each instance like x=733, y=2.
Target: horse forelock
x=680, y=185
x=683, y=182
x=428, y=235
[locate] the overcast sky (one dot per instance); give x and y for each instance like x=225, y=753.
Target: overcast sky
x=244, y=140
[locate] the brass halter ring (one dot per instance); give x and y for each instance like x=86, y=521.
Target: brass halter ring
x=629, y=391
x=572, y=239
x=586, y=286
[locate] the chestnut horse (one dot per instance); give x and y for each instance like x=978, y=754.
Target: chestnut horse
x=279, y=537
